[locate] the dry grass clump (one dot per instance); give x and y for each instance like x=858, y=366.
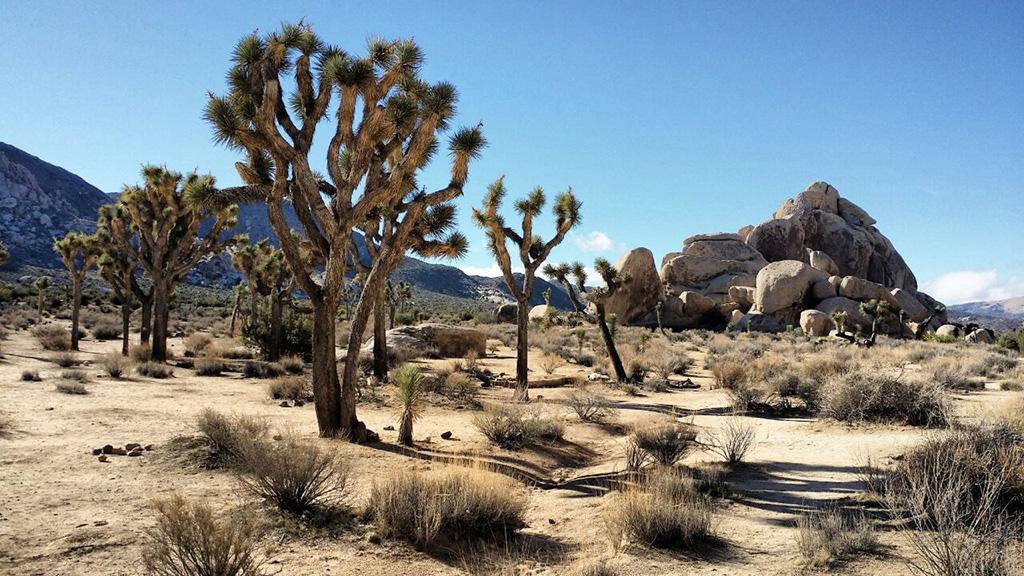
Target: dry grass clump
x=728, y=374
x=293, y=364
x=210, y=366
x=874, y=397
x=550, y=363
x=821, y=369
x=74, y=375
x=65, y=359
x=829, y=536
x=115, y=365
x=460, y=388
x=189, y=539
x=665, y=362
x=293, y=474
x=961, y=491
x=515, y=426
x=950, y=374
x=71, y=388
x=237, y=353
x=732, y=440
x=196, y=343
x=141, y=353
x=155, y=370
x=53, y=338
x=989, y=364
x=664, y=510
x=228, y=435
x=455, y=504
x=665, y=443
x=6, y=425
x=291, y=388
x=589, y=404
x=262, y=370
x=31, y=376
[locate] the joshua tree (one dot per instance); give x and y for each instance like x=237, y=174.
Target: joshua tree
x=560, y=273
x=408, y=392
x=269, y=277
x=79, y=253
x=41, y=285
x=241, y=291
x=373, y=154
x=876, y=310
x=122, y=252
x=613, y=280
x=165, y=215
x=397, y=295
x=532, y=253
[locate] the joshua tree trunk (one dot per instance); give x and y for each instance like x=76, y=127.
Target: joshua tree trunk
x=126, y=326
x=405, y=428
x=42, y=303
x=160, y=318
x=609, y=342
x=391, y=313
x=380, y=342
x=76, y=304
x=147, y=320
x=326, y=391
x=577, y=306
x=276, y=305
x=234, y=312
x=522, y=393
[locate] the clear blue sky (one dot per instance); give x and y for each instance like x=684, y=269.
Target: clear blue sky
x=668, y=120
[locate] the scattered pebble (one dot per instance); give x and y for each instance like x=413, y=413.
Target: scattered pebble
x=102, y=458
x=447, y=435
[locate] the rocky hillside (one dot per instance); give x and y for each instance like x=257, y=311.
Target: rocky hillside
x=39, y=201
x=1001, y=315
x=818, y=254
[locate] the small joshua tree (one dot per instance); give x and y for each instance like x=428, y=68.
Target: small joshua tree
x=397, y=296
x=241, y=291
x=408, y=391
x=41, y=285
x=79, y=253
x=268, y=277
x=560, y=273
x=532, y=252
x=119, y=266
x=877, y=310
x=613, y=280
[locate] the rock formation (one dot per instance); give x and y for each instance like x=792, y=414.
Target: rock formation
x=818, y=254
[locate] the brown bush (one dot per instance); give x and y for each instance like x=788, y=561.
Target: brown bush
x=732, y=440
x=53, y=338
x=71, y=388
x=196, y=343
x=189, y=539
x=292, y=388
x=589, y=404
x=460, y=388
x=826, y=537
x=210, y=366
x=65, y=359
x=666, y=443
x=141, y=353
x=31, y=376
x=228, y=435
x=295, y=475
x=292, y=364
x=155, y=370
x=515, y=426
x=115, y=364
x=664, y=510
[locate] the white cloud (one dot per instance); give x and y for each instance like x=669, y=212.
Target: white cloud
x=596, y=241
x=973, y=286
x=491, y=271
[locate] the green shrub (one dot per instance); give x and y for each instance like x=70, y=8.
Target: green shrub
x=1009, y=340
x=296, y=334
x=457, y=504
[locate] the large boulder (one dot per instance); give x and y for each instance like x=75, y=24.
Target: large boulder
x=864, y=291
x=754, y=321
x=743, y=296
x=637, y=298
x=507, y=312
x=542, y=311
x=689, y=272
x=980, y=336
x=822, y=261
x=450, y=341
x=778, y=239
x=815, y=323
x=911, y=306
x=723, y=283
x=948, y=330
x=823, y=290
x=721, y=247
x=696, y=304
x=852, y=308
x=784, y=284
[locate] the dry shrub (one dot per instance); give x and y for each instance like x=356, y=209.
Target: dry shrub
x=155, y=370
x=141, y=353
x=635, y=365
x=65, y=359
x=665, y=362
x=472, y=359
x=989, y=364
x=746, y=396
x=292, y=388
x=829, y=536
x=71, y=388
x=950, y=374
x=196, y=343
x=106, y=331
x=293, y=364
x=666, y=443
x=961, y=491
x=295, y=475
x=235, y=353
x=821, y=369
x=262, y=370
x=74, y=375
x=460, y=388
x=53, y=338
x=210, y=366
x=589, y=404
x=115, y=365
x=549, y=363
x=31, y=376
x=728, y=375
x=228, y=435
x=455, y=504
x=515, y=426
x=732, y=440
x=872, y=397
x=189, y=539
x=664, y=510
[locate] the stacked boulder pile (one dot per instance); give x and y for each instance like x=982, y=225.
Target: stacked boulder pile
x=818, y=254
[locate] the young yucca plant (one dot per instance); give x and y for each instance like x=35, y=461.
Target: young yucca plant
x=408, y=391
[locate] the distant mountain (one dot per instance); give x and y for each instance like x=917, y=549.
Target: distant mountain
x=1001, y=315
x=39, y=201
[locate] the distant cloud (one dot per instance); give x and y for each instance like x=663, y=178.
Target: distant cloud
x=596, y=241
x=973, y=286
x=491, y=271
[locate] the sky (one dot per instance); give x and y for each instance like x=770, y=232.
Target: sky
x=667, y=120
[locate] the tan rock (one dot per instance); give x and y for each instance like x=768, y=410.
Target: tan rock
x=864, y=290
x=851, y=307
x=815, y=323
x=784, y=284
x=634, y=300
x=778, y=239
x=696, y=271
x=823, y=290
x=911, y=306
x=823, y=262
x=742, y=295
x=948, y=330
x=451, y=341
x=695, y=304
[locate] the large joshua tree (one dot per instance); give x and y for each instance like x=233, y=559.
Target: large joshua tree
x=79, y=253
x=613, y=281
x=385, y=122
x=122, y=253
x=165, y=216
x=532, y=252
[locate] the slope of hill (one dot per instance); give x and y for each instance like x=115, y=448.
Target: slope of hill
x=1001, y=315
x=39, y=201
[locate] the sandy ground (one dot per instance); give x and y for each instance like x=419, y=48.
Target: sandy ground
x=63, y=512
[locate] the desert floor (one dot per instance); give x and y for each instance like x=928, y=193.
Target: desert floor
x=63, y=512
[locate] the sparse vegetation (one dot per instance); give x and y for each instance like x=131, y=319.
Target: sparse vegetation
x=292, y=388
x=31, y=376
x=665, y=443
x=826, y=537
x=589, y=405
x=732, y=440
x=154, y=370
x=874, y=397
x=71, y=388
x=52, y=338
x=664, y=510
x=228, y=436
x=515, y=426
x=262, y=370
x=115, y=365
x=295, y=475
x=65, y=359
x=210, y=366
